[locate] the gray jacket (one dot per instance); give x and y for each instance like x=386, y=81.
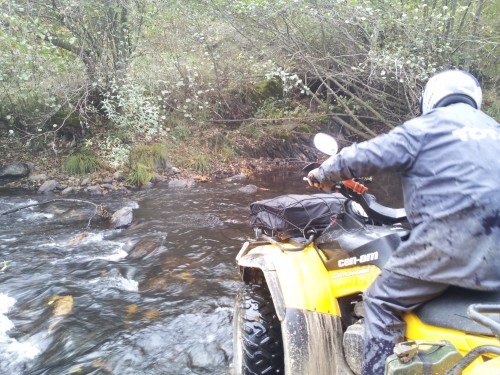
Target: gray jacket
x=449, y=161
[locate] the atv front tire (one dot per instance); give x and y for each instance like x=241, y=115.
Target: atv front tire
x=257, y=339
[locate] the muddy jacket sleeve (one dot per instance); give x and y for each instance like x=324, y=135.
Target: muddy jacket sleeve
x=394, y=151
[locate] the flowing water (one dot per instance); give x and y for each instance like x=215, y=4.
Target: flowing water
x=73, y=302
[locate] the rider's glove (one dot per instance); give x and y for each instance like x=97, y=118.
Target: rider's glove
x=317, y=179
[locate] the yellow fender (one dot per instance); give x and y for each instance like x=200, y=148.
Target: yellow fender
x=308, y=311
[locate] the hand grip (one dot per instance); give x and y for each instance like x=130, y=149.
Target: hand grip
x=355, y=186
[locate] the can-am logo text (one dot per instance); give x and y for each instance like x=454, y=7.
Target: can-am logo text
x=355, y=260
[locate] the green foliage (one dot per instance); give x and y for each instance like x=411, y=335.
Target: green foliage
x=110, y=148
x=132, y=110
x=227, y=153
x=252, y=130
x=140, y=174
x=130, y=69
x=493, y=110
x=80, y=163
x=154, y=156
x=141, y=155
x=145, y=160
x=200, y=162
x=180, y=132
x=306, y=128
x=159, y=152
x=272, y=108
x=270, y=88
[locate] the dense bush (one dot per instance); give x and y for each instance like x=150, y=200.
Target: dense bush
x=140, y=70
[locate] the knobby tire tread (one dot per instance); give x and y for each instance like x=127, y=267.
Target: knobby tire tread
x=261, y=333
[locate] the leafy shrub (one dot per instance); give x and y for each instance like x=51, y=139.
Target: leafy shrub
x=132, y=110
x=80, y=162
x=112, y=149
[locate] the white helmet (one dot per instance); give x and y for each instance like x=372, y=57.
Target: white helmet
x=449, y=87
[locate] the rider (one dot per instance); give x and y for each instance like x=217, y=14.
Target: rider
x=449, y=162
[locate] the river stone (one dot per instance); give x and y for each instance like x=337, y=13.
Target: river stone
x=107, y=186
x=144, y=247
x=14, y=170
x=86, y=181
x=182, y=184
x=238, y=177
x=119, y=176
x=249, y=189
x=94, y=190
x=202, y=356
x=122, y=218
x=67, y=191
x=47, y=186
x=107, y=180
x=37, y=177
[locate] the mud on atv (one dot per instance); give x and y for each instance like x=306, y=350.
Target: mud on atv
x=300, y=311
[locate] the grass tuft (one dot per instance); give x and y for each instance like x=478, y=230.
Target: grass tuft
x=80, y=163
x=141, y=174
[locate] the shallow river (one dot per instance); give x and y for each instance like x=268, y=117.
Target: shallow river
x=74, y=303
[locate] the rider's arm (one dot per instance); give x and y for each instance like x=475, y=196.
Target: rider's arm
x=394, y=151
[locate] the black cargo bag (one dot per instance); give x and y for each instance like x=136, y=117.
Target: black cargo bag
x=295, y=215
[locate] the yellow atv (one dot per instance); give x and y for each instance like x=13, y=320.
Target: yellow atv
x=300, y=311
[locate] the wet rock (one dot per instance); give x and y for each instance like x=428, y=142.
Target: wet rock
x=67, y=191
x=107, y=186
x=94, y=190
x=174, y=170
x=122, y=218
x=14, y=170
x=47, y=186
x=38, y=177
x=144, y=247
x=238, y=177
x=85, y=182
x=249, y=189
x=182, y=184
x=202, y=356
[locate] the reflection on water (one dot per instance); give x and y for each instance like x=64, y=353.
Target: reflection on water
x=73, y=303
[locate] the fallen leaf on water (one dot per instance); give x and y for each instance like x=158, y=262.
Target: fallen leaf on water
x=184, y=276
x=152, y=314
x=63, y=305
x=200, y=178
x=4, y=266
x=132, y=309
x=77, y=238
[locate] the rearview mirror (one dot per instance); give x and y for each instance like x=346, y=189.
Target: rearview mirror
x=326, y=144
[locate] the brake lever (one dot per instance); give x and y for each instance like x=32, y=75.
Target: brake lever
x=309, y=167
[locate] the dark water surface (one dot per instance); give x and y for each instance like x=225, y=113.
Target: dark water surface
x=73, y=304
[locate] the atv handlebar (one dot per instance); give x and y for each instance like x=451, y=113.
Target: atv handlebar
x=356, y=191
